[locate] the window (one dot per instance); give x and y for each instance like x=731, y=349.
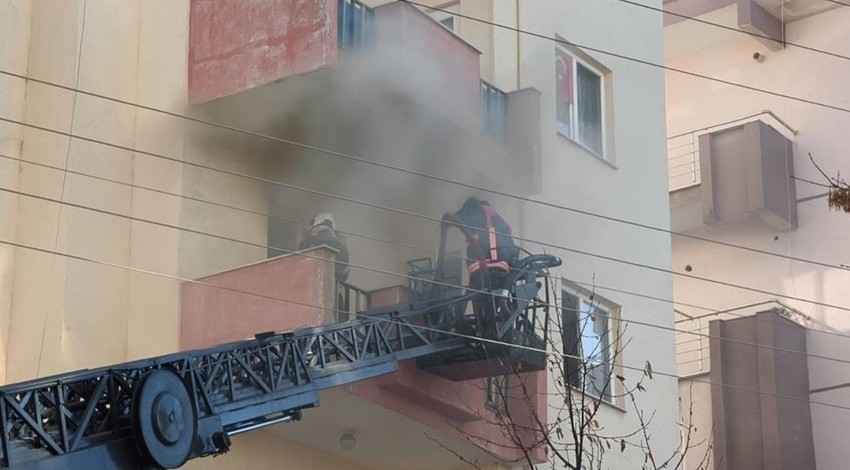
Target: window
x=354, y=24
x=494, y=111
x=589, y=334
x=497, y=393
x=580, y=101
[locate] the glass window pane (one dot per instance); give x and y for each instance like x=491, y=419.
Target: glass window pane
x=346, y=24
x=589, y=108
x=357, y=26
x=564, y=92
x=590, y=340
x=368, y=25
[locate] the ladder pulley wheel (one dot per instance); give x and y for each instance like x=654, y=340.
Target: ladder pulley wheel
x=164, y=420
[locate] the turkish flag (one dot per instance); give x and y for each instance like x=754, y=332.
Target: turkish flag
x=564, y=77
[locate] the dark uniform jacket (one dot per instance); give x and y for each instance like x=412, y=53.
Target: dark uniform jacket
x=324, y=235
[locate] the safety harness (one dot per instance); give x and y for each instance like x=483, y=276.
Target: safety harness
x=493, y=261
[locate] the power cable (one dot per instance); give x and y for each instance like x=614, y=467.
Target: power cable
x=591, y=286
x=425, y=217
x=79, y=67
x=393, y=274
x=640, y=61
x=839, y=3
x=425, y=328
x=344, y=232
x=737, y=30
x=419, y=173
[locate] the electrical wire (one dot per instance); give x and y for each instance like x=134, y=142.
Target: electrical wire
x=588, y=285
x=395, y=274
x=306, y=224
x=425, y=217
x=424, y=328
x=839, y=3
x=416, y=173
x=421, y=175
x=640, y=61
x=55, y=252
x=737, y=30
x=594, y=287
x=79, y=67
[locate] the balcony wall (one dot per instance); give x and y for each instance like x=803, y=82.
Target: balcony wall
x=291, y=292
x=414, y=82
x=235, y=45
x=443, y=70
x=278, y=294
x=456, y=408
x=772, y=428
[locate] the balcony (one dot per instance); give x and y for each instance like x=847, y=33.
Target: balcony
x=693, y=353
x=752, y=403
x=733, y=171
x=386, y=413
x=340, y=76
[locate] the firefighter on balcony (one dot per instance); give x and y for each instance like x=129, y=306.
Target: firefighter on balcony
x=323, y=232
x=490, y=252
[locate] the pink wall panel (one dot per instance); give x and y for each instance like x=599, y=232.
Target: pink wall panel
x=441, y=66
x=456, y=408
x=235, y=45
x=279, y=294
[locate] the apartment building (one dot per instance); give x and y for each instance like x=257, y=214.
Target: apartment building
x=741, y=174
x=113, y=211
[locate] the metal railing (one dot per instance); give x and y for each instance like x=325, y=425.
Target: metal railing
x=683, y=161
x=683, y=148
x=692, y=341
x=350, y=300
x=494, y=111
x=355, y=23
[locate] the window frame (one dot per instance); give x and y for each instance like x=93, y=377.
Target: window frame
x=603, y=104
x=612, y=312
x=496, y=403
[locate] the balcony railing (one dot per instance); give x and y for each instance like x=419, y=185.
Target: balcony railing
x=494, y=111
x=683, y=149
x=692, y=340
x=350, y=300
x=355, y=24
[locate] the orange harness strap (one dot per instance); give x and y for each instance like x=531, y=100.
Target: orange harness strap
x=494, y=250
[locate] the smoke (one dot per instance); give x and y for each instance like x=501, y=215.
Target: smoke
x=410, y=100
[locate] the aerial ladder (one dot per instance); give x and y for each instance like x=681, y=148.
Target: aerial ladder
x=161, y=412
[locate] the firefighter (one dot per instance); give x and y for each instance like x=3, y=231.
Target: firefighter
x=323, y=232
x=490, y=252
x=492, y=235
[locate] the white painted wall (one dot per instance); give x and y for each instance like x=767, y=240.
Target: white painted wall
x=14, y=45
x=632, y=188
x=822, y=235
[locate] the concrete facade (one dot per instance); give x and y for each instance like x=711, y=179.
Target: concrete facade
x=821, y=235
x=177, y=200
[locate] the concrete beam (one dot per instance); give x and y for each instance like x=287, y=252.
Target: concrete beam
x=755, y=19
x=691, y=8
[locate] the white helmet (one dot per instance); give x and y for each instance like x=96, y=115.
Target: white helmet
x=325, y=218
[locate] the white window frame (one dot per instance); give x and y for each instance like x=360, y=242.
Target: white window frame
x=573, y=131
x=612, y=314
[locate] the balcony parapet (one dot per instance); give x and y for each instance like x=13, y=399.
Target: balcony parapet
x=277, y=294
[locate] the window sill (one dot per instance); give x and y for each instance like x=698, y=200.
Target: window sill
x=587, y=150
x=613, y=406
